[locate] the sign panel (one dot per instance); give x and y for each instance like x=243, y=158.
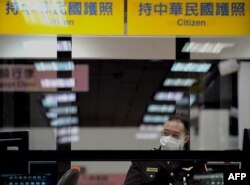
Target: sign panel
x=25, y=78
x=89, y=17
x=101, y=179
x=185, y=17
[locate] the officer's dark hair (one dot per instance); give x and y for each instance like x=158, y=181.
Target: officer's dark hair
x=182, y=119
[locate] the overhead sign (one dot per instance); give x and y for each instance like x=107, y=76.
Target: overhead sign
x=25, y=78
x=185, y=17
x=89, y=17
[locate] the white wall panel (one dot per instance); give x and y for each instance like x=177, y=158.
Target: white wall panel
x=15, y=47
x=240, y=50
x=123, y=48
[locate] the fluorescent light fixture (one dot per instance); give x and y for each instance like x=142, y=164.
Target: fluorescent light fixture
x=187, y=100
x=51, y=115
x=64, y=121
x=150, y=128
x=54, y=112
x=49, y=103
x=68, y=139
x=191, y=67
x=55, y=66
x=52, y=100
x=64, y=110
x=161, y=108
x=188, y=82
x=64, y=45
x=205, y=47
x=146, y=136
x=168, y=96
x=65, y=131
x=58, y=83
x=62, y=97
x=155, y=118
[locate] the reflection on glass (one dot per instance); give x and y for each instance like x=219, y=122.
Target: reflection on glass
x=190, y=67
x=146, y=136
x=68, y=139
x=43, y=12
x=206, y=47
x=55, y=66
x=187, y=100
x=64, y=110
x=64, y=46
x=155, y=118
x=67, y=131
x=52, y=100
x=63, y=121
x=58, y=83
x=179, y=82
x=168, y=96
x=161, y=108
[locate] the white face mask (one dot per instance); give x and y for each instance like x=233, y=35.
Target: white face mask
x=170, y=143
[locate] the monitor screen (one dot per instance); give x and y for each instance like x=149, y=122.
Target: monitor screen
x=246, y=140
x=25, y=179
x=44, y=167
x=17, y=141
x=14, y=141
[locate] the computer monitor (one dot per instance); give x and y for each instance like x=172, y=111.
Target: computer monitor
x=246, y=140
x=44, y=167
x=10, y=141
x=18, y=140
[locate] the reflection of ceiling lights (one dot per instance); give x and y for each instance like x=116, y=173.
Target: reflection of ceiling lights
x=51, y=115
x=58, y=83
x=155, y=118
x=64, y=45
x=161, y=108
x=55, y=66
x=64, y=121
x=150, y=128
x=64, y=110
x=146, y=136
x=179, y=82
x=168, y=96
x=214, y=48
x=54, y=112
x=187, y=100
x=68, y=139
x=52, y=100
x=190, y=67
x=42, y=12
x=65, y=131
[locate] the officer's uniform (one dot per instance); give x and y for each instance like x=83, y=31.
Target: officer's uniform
x=162, y=172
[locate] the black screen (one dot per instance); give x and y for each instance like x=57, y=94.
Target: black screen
x=14, y=141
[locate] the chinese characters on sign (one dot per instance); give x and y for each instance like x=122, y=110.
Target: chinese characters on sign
x=192, y=9
x=185, y=17
x=92, y=17
x=144, y=17
x=16, y=73
x=26, y=78
x=59, y=8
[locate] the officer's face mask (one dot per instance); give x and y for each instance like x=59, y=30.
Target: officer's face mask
x=170, y=143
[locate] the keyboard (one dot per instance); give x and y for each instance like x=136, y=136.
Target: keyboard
x=20, y=179
x=208, y=179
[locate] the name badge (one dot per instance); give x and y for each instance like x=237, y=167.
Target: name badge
x=149, y=169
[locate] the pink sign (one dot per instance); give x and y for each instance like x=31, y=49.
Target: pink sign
x=25, y=78
x=101, y=179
